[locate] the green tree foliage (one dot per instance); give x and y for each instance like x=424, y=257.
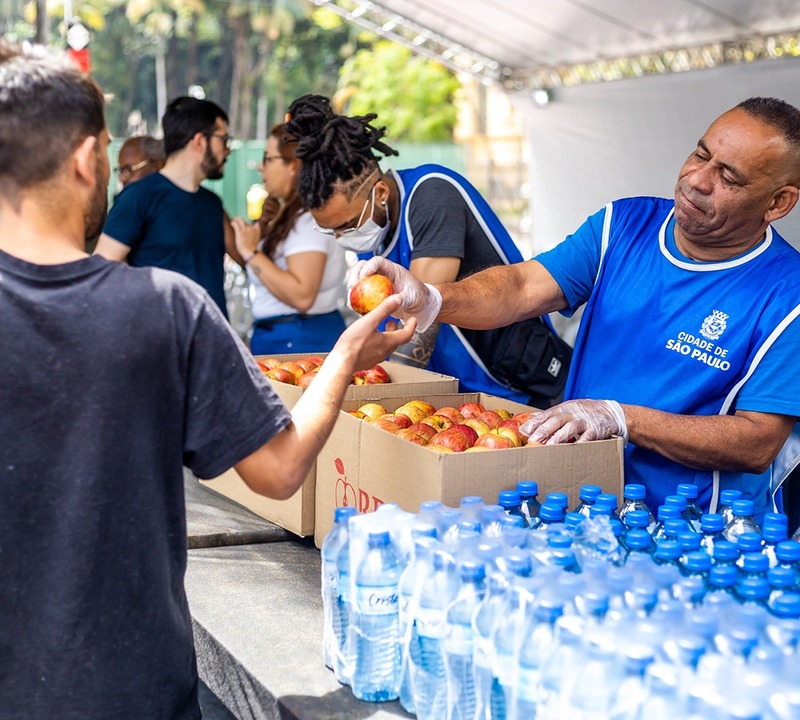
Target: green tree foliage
x=412, y=96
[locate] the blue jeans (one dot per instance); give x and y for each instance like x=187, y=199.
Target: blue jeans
x=297, y=333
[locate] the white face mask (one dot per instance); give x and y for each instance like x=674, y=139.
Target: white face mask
x=369, y=236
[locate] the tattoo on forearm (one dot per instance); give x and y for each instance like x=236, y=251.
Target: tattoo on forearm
x=417, y=352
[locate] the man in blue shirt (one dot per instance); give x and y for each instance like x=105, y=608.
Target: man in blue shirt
x=167, y=219
x=689, y=334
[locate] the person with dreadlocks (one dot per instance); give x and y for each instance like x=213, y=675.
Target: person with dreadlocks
x=432, y=221
x=296, y=275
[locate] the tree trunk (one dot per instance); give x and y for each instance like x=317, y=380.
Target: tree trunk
x=42, y=30
x=241, y=64
x=174, y=85
x=191, y=53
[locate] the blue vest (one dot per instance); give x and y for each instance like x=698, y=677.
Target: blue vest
x=452, y=354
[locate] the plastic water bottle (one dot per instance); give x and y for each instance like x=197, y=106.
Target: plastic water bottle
x=788, y=554
x=711, y=527
x=425, y=649
x=688, y=541
x=783, y=628
x=633, y=499
x=588, y=496
x=558, y=498
x=470, y=507
x=609, y=500
x=511, y=503
x=668, y=552
x=549, y=514
x=534, y=653
x=693, y=586
x=742, y=522
x=593, y=688
x=773, y=534
x=753, y=590
x=528, y=491
x=782, y=581
x=631, y=693
x=343, y=659
x=639, y=542
x=458, y=642
x=726, y=498
x=491, y=521
x=447, y=520
x=693, y=512
x=428, y=511
x=376, y=677
x=664, y=512
x=680, y=502
x=721, y=583
x=484, y=620
x=334, y=624
x=726, y=553
x=672, y=528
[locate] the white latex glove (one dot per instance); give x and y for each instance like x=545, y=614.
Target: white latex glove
x=578, y=420
x=419, y=299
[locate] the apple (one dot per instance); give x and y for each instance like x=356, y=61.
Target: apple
x=374, y=376
x=293, y=368
x=268, y=363
x=450, y=412
x=424, y=429
x=503, y=413
x=373, y=410
x=305, y=379
x=439, y=422
x=416, y=414
x=493, y=441
x=422, y=405
x=511, y=422
x=492, y=418
x=357, y=414
x=441, y=448
x=523, y=417
x=471, y=409
x=369, y=292
x=412, y=437
x=477, y=448
x=307, y=364
x=478, y=425
x=533, y=443
x=402, y=421
x=512, y=434
x=281, y=375
x=452, y=438
x=386, y=425
x=470, y=433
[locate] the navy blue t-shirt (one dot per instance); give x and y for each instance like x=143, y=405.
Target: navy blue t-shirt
x=113, y=379
x=168, y=227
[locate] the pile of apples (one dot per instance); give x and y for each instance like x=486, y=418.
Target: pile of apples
x=467, y=428
x=302, y=371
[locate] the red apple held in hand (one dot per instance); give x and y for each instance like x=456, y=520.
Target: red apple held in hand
x=453, y=439
x=451, y=413
x=478, y=425
x=493, y=441
x=492, y=418
x=374, y=376
x=412, y=437
x=470, y=433
x=471, y=409
x=373, y=410
x=282, y=375
x=423, y=429
x=369, y=292
x=305, y=380
x=438, y=422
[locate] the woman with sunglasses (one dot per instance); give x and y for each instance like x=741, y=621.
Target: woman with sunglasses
x=296, y=274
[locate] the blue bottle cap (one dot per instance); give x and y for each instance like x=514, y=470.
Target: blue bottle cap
x=703, y=622
x=668, y=512
x=589, y=493
x=638, y=539
x=755, y=562
x=491, y=513
x=712, y=522
x=550, y=512
x=634, y=491
x=698, y=561
x=773, y=533
x=776, y=518
x=673, y=526
x=781, y=577
x=788, y=551
x=472, y=571
x=617, y=527
x=470, y=501
x=726, y=497
x=465, y=526
x=557, y=498
x=518, y=563
x=687, y=490
x=378, y=539
x=637, y=519
x=742, y=508
x=508, y=498
x=723, y=576
x=668, y=550
x=527, y=488
x=423, y=530
x=787, y=606
x=608, y=499
x=512, y=521
x=600, y=508
x=725, y=550
x=430, y=505
x=341, y=514
x=753, y=588
x=689, y=540
x=678, y=501
x=573, y=519
x=749, y=542
x=559, y=540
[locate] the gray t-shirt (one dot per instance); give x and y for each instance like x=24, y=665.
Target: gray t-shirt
x=113, y=379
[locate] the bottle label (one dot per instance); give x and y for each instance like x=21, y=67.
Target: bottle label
x=430, y=623
x=377, y=600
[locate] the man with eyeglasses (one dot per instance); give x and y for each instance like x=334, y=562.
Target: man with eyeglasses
x=139, y=156
x=168, y=219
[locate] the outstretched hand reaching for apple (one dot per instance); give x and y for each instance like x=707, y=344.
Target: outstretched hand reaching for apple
x=418, y=299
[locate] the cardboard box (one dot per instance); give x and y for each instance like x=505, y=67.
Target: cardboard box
x=364, y=466
x=297, y=513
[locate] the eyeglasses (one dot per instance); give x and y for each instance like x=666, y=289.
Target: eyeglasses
x=265, y=159
x=227, y=139
x=130, y=169
x=340, y=231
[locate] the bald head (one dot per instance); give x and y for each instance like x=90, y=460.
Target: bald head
x=139, y=156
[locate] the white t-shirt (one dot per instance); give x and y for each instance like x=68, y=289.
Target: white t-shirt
x=303, y=238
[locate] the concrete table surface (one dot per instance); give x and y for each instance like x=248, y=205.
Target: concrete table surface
x=257, y=616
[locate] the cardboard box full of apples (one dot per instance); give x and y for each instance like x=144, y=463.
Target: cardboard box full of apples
x=367, y=463
x=297, y=513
